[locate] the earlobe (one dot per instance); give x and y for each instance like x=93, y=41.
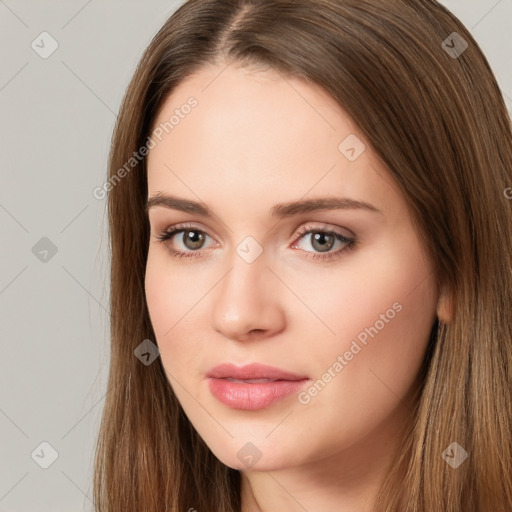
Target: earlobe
x=445, y=306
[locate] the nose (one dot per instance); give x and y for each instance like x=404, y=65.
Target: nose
x=246, y=303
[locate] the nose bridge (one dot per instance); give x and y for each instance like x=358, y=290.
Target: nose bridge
x=243, y=301
x=245, y=281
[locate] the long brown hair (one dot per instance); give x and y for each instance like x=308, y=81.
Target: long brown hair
x=433, y=113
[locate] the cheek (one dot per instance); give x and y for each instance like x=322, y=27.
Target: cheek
x=382, y=316
x=169, y=292
x=380, y=294
x=156, y=281
x=164, y=304
x=172, y=299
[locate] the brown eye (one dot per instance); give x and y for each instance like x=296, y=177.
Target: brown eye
x=193, y=239
x=322, y=241
x=191, y=242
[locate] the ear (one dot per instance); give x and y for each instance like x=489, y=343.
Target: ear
x=445, y=306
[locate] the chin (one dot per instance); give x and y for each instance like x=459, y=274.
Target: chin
x=246, y=455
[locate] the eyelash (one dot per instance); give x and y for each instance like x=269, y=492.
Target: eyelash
x=305, y=230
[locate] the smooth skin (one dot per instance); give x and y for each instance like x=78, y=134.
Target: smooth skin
x=256, y=139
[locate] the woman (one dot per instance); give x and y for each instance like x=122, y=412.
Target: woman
x=311, y=265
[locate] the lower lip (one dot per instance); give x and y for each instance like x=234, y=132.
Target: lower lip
x=241, y=395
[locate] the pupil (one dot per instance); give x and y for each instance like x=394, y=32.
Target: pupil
x=322, y=237
x=194, y=237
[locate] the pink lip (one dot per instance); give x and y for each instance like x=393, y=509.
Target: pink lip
x=252, y=371
x=250, y=395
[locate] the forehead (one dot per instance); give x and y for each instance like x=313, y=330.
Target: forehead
x=240, y=134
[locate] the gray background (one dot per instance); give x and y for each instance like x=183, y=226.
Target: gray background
x=57, y=116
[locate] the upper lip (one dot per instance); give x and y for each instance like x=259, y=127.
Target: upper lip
x=252, y=371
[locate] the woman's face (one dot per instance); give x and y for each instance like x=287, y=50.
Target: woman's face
x=349, y=319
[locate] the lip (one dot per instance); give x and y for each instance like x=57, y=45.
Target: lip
x=252, y=371
x=252, y=395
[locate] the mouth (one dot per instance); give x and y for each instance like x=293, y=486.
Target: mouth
x=251, y=381
x=253, y=371
x=253, y=386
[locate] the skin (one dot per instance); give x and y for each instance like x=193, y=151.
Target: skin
x=253, y=140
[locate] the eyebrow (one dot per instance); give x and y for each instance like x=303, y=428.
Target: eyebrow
x=280, y=210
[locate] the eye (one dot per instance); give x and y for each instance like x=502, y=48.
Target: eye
x=192, y=239
x=321, y=239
